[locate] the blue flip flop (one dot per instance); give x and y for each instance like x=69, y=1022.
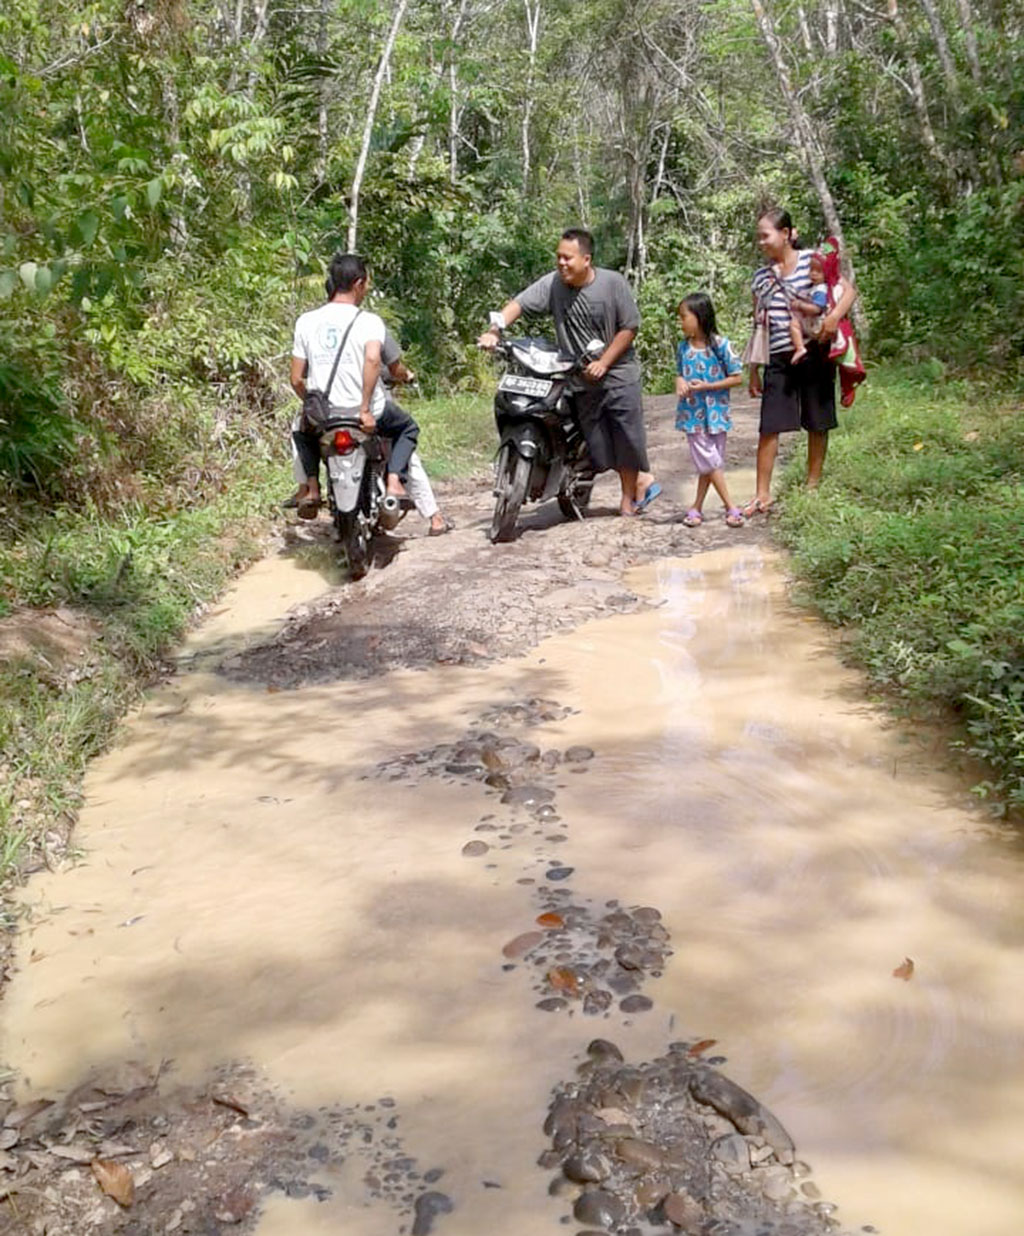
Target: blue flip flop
x=650, y=493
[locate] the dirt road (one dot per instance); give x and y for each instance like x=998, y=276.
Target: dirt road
x=574, y=852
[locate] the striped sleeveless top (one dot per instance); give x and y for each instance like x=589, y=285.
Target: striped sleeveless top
x=765, y=287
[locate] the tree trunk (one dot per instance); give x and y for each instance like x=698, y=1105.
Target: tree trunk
x=532, y=8
x=320, y=167
x=454, y=111
x=809, y=147
x=917, y=92
x=970, y=42
x=941, y=45
x=371, y=116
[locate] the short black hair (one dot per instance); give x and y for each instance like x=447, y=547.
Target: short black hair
x=345, y=270
x=582, y=237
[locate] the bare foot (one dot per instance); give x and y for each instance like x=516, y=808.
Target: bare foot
x=395, y=486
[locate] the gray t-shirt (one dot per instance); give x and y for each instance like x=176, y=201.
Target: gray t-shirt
x=598, y=310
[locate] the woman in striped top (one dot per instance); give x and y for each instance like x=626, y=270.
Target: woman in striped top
x=801, y=396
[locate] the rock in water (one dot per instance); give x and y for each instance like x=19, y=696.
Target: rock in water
x=597, y=1206
x=427, y=1207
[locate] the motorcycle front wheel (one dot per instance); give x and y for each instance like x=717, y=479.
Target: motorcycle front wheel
x=354, y=535
x=512, y=478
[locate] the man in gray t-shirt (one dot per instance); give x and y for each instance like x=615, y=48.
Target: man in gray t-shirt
x=590, y=303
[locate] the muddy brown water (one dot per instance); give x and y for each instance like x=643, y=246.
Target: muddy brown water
x=245, y=893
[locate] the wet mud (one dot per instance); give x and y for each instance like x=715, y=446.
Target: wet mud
x=130, y=1151
x=411, y=891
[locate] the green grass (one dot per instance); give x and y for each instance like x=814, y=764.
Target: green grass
x=457, y=434
x=914, y=544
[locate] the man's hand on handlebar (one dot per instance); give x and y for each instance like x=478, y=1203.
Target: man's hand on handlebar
x=488, y=341
x=366, y=421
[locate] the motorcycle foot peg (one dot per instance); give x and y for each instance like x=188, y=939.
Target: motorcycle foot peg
x=390, y=512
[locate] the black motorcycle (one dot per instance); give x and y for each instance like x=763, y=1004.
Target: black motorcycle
x=542, y=452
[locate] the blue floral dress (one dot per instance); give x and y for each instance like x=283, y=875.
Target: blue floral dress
x=705, y=411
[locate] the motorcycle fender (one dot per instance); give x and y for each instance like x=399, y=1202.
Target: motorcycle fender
x=525, y=440
x=555, y=480
x=346, y=477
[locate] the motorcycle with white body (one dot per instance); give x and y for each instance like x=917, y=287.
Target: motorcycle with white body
x=357, y=494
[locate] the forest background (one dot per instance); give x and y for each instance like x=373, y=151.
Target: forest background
x=174, y=174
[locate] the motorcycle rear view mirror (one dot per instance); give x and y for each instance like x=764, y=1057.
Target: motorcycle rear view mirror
x=593, y=349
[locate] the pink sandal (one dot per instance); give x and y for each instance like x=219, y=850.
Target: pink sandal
x=693, y=518
x=734, y=517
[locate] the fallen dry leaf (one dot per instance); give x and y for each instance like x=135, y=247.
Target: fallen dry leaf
x=23, y=1114
x=115, y=1180
x=550, y=920
x=904, y=971
x=564, y=979
x=702, y=1046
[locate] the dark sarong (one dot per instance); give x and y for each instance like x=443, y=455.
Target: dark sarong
x=612, y=420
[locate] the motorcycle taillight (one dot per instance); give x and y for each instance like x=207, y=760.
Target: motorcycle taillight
x=344, y=443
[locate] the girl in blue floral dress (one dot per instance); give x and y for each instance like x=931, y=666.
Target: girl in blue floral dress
x=706, y=368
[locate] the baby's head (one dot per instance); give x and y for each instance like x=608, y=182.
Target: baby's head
x=816, y=270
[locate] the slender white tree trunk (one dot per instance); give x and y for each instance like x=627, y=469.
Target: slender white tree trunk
x=532, y=8
x=807, y=141
x=454, y=111
x=970, y=42
x=371, y=116
x=941, y=45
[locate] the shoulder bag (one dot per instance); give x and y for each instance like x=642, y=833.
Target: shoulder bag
x=316, y=406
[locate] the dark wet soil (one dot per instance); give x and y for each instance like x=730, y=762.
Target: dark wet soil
x=458, y=599
x=130, y=1152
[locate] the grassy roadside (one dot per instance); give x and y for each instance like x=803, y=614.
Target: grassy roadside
x=914, y=544
x=125, y=589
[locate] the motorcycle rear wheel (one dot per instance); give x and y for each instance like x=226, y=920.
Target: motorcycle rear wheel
x=513, y=476
x=354, y=535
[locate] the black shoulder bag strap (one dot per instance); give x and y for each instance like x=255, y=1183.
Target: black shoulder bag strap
x=337, y=355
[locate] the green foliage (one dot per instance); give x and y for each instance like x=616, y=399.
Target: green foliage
x=36, y=432
x=913, y=542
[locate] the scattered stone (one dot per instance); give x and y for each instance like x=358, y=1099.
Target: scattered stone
x=559, y=873
x=427, y=1207
x=636, y=1004
x=522, y=944
x=474, y=849
x=578, y=755
x=648, y=1154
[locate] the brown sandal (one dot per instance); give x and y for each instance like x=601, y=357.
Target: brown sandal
x=308, y=508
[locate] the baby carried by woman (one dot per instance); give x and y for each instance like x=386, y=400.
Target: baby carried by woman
x=807, y=314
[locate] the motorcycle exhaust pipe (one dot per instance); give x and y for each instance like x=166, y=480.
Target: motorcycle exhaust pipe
x=390, y=512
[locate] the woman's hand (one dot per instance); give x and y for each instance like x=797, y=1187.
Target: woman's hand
x=754, y=383
x=829, y=325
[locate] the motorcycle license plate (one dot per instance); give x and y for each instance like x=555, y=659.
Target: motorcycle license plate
x=519, y=385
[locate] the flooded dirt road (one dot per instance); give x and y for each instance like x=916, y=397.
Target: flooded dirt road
x=327, y=882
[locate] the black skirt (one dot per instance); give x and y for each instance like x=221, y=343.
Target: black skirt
x=799, y=396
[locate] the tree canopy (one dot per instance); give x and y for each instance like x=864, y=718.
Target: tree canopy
x=175, y=173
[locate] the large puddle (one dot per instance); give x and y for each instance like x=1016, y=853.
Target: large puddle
x=248, y=892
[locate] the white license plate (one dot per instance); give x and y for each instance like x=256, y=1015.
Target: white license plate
x=524, y=386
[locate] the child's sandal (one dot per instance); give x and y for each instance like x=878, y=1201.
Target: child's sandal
x=734, y=517
x=693, y=518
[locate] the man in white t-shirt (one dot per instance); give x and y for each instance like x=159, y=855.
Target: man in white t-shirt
x=319, y=334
